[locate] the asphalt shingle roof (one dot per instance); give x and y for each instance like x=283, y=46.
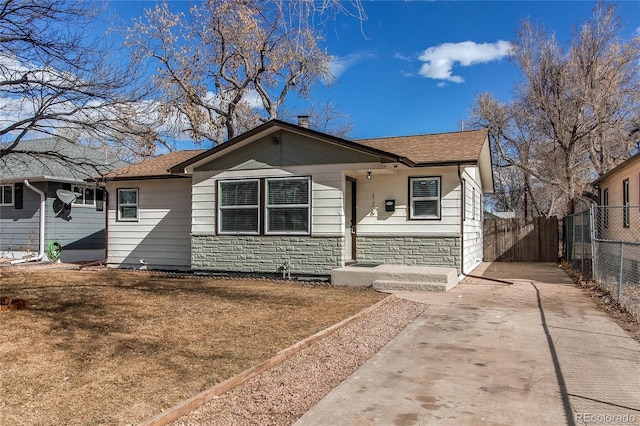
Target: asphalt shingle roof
x=462, y=146
x=55, y=158
x=154, y=167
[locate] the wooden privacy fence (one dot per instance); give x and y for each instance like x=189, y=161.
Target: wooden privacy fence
x=521, y=240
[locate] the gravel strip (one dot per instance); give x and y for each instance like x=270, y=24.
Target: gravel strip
x=282, y=394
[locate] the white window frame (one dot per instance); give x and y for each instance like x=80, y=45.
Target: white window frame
x=229, y=208
x=80, y=201
x=413, y=198
x=120, y=205
x=306, y=205
x=13, y=194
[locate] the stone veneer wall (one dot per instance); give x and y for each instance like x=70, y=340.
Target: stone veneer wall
x=266, y=254
x=439, y=251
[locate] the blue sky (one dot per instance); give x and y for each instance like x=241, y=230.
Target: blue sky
x=417, y=66
x=381, y=86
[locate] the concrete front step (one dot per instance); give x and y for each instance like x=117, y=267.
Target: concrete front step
x=383, y=285
x=396, y=277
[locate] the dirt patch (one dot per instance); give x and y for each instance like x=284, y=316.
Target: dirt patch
x=111, y=347
x=619, y=314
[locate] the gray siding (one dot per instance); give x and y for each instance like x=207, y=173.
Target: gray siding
x=20, y=228
x=82, y=228
x=291, y=150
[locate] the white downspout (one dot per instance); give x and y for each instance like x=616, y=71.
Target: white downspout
x=42, y=211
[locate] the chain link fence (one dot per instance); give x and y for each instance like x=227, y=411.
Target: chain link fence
x=576, y=231
x=616, y=248
x=604, y=244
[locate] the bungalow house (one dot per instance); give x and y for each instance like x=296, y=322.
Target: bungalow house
x=32, y=214
x=285, y=196
x=619, y=192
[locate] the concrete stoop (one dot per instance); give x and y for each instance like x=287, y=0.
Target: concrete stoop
x=396, y=277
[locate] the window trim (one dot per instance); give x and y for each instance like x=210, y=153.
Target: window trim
x=263, y=207
x=219, y=207
x=81, y=189
x=411, y=198
x=13, y=195
x=267, y=206
x=119, y=217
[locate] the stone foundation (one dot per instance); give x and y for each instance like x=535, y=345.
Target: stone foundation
x=306, y=255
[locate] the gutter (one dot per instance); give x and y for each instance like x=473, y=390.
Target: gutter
x=42, y=220
x=462, y=216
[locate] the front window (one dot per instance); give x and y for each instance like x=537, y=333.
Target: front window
x=264, y=206
x=238, y=207
x=128, y=205
x=6, y=195
x=424, y=197
x=287, y=206
x=87, y=196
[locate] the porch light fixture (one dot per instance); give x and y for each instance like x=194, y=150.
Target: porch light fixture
x=369, y=175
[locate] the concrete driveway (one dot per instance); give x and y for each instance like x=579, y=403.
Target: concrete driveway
x=535, y=352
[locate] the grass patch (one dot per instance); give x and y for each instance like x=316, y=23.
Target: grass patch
x=113, y=347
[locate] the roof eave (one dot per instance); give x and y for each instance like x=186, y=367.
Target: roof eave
x=619, y=167
x=145, y=177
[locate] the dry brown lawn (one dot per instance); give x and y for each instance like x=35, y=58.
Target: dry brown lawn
x=113, y=347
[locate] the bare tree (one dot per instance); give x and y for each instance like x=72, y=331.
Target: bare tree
x=323, y=117
x=229, y=65
x=57, y=79
x=572, y=116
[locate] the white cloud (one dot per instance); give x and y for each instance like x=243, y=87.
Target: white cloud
x=440, y=60
x=402, y=57
x=339, y=64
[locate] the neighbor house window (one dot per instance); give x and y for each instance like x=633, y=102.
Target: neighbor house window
x=87, y=196
x=6, y=195
x=605, y=204
x=128, y=205
x=264, y=206
x=424, y=197
x=239, y=207
x=287, y=206
x=625, y=203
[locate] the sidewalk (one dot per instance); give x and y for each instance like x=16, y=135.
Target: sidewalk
x=537, y=352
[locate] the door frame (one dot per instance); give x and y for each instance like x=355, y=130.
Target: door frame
x=354, y=218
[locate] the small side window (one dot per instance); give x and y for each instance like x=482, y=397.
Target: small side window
x=87, y=196
x=625, y=202
x=6, y=195
x=127, y=205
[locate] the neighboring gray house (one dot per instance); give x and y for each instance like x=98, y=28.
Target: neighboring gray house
x=29, y=179
x=283, y=195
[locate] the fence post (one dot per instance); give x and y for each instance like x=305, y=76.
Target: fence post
x=582, y=243
x=620, y=272
x=592, y=224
